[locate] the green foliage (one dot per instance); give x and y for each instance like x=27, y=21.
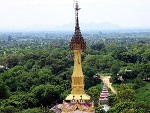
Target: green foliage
x=94, y=93
x=118, y=52
x=129, y=101
x=138, y=83
x=12, y=61
x=128, y=57
x=125, y=93
x=142, y=94
x=4, y=91
x=20, y=100
x=37, y=110
x=33, y=110
x=47, y=94
x=99, y=109
x=121, y=107
x=97, y=46
x=39, y=68
x=89, y=72
x=9, y=109
x=29, y=64
x=129, y=107
x=112, y=100
x=146, y=55
x=145, y=71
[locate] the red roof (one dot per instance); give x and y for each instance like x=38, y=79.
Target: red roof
x=79, y=107
x=104, y=94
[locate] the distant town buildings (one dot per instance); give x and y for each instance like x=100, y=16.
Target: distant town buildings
x=1, y=66
x=9, y=38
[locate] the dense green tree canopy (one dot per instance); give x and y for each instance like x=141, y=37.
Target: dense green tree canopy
x=37, y=69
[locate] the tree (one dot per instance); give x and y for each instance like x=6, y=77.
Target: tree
x=125, y=93
x=146, y=55
x=115, y=69
x=29, y=63
x=121, y=107
x=4, y=91
x=33, y=110
x=130, y=107
x=9, y=109
x=97, y=46
x=112, y=100
x=118, y=52
x=12, y=61
x=94, y=93
x=138, y=82
x=144, y=73
x=129, y=57
x=21, y=101
x=37, y=110
x=99, y=109
x=47, y=95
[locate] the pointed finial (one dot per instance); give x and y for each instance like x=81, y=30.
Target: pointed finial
x=77, y=6
x=76, y=9
x=77, y=41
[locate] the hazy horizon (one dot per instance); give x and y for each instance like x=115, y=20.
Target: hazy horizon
x=24, y=14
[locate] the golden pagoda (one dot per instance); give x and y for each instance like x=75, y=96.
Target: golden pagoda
x=77, y=44
x=78, y=96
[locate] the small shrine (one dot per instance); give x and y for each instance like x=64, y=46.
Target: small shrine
x=104, y=95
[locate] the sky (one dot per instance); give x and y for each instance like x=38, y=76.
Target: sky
x=26, y=13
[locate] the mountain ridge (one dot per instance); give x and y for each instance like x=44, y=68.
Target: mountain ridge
x=67, y=27
x=92, y=26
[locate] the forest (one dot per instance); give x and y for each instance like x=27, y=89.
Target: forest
x=36, y=69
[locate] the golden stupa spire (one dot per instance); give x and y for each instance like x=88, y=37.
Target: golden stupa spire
x=77, y=44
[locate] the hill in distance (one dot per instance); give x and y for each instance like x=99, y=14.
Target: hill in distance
x=92, y=26
x=65, y=27
x=106, y=26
